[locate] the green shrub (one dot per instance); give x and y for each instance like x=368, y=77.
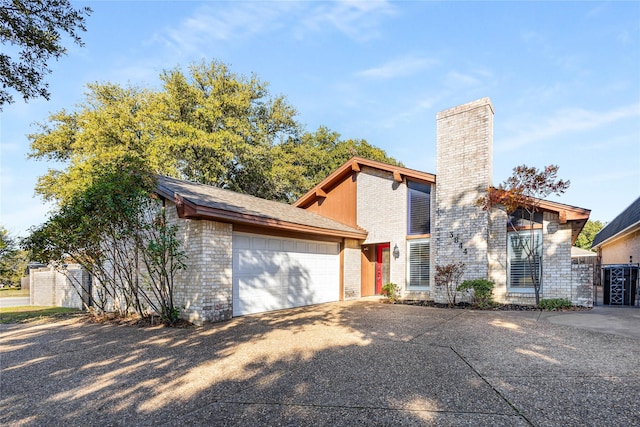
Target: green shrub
x=554, y=304
x=482, y=291
x=390, y=291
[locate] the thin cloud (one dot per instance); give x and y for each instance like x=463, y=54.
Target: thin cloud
x=358, y=20
x=401, y=67
x=568, y=120
x=457, y=79
x=217, y=22
x=229, y=21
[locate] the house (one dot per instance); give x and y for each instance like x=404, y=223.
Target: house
x=249, y=255
x=367, y=224
x=619, y=241
x=618, y=246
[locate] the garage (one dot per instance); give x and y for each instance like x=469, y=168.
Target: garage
x=273, y=273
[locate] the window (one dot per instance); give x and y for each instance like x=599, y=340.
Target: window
x=519, y=245
x=419, y=208
x=522, y=218
x=418, y=264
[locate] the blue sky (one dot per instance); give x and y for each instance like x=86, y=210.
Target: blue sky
x=564, y=79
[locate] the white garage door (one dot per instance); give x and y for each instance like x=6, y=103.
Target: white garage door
x=271, y=273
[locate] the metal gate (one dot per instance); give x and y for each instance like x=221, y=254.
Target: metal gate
x=620, y=284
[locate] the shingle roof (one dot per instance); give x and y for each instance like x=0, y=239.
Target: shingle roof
x=628, y=218
x=208, y=202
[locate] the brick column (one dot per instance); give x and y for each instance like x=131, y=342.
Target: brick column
x=464, y=160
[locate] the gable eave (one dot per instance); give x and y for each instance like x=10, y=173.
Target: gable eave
x=354, y=165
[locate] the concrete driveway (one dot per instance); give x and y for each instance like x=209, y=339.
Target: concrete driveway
x=14, y=301
x=342, y=364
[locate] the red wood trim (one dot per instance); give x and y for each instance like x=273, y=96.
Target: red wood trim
x=397, y=177
x=563, y=217
x=355, y=166
x=320, y=193
x=418, y=236
x=524, y=227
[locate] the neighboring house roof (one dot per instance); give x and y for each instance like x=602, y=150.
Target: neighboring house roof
x=200, y=201
x=577, y=252
x=354, y=165
x=626, y=222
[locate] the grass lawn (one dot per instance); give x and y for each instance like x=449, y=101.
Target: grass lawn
x=6, y=293
x=29, y=313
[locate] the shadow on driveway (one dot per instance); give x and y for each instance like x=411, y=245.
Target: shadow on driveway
x=348, y=363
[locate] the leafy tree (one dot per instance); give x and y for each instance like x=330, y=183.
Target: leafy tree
x=116, y=231
x=588, y=233
x=35, y=27
x=524, y=191
x=220, y=127
x=110, y=125
x=300, y=163
x=13, y=261
x=209, y=126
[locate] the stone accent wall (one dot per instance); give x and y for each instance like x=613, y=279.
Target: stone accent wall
x=203, y=291
x=464, y=154
x=382, y=211
x=49, y=287
x=352, y=270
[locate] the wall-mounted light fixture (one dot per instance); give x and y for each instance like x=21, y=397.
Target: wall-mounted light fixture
x=396, y=252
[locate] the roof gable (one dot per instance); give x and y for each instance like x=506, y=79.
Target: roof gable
x=629, y=218
x=200, y=201
x=354, y=165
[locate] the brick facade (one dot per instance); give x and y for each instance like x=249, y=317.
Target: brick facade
x=352, y=271
x=203, y=291
x=382, y=211
x=463, y=170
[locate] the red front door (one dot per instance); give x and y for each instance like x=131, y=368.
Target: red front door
x=382, y=266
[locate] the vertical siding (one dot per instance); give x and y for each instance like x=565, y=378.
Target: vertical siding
x=340, y=203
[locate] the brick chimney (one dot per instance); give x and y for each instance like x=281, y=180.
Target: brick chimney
x=464, y=162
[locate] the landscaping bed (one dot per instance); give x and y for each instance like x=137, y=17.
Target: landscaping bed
x=495, y=307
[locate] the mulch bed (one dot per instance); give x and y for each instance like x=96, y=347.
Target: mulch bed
x=497, y=307
x=135, y=320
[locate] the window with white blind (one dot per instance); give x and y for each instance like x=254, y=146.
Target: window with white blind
x=418, y=264
x=419, y=208
x=525, y=259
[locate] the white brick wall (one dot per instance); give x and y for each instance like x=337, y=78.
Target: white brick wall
x=382, y=211
x=497, y=252
x=49, y=287
x=463, y=173
x=352, y=269
x=204, y=289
